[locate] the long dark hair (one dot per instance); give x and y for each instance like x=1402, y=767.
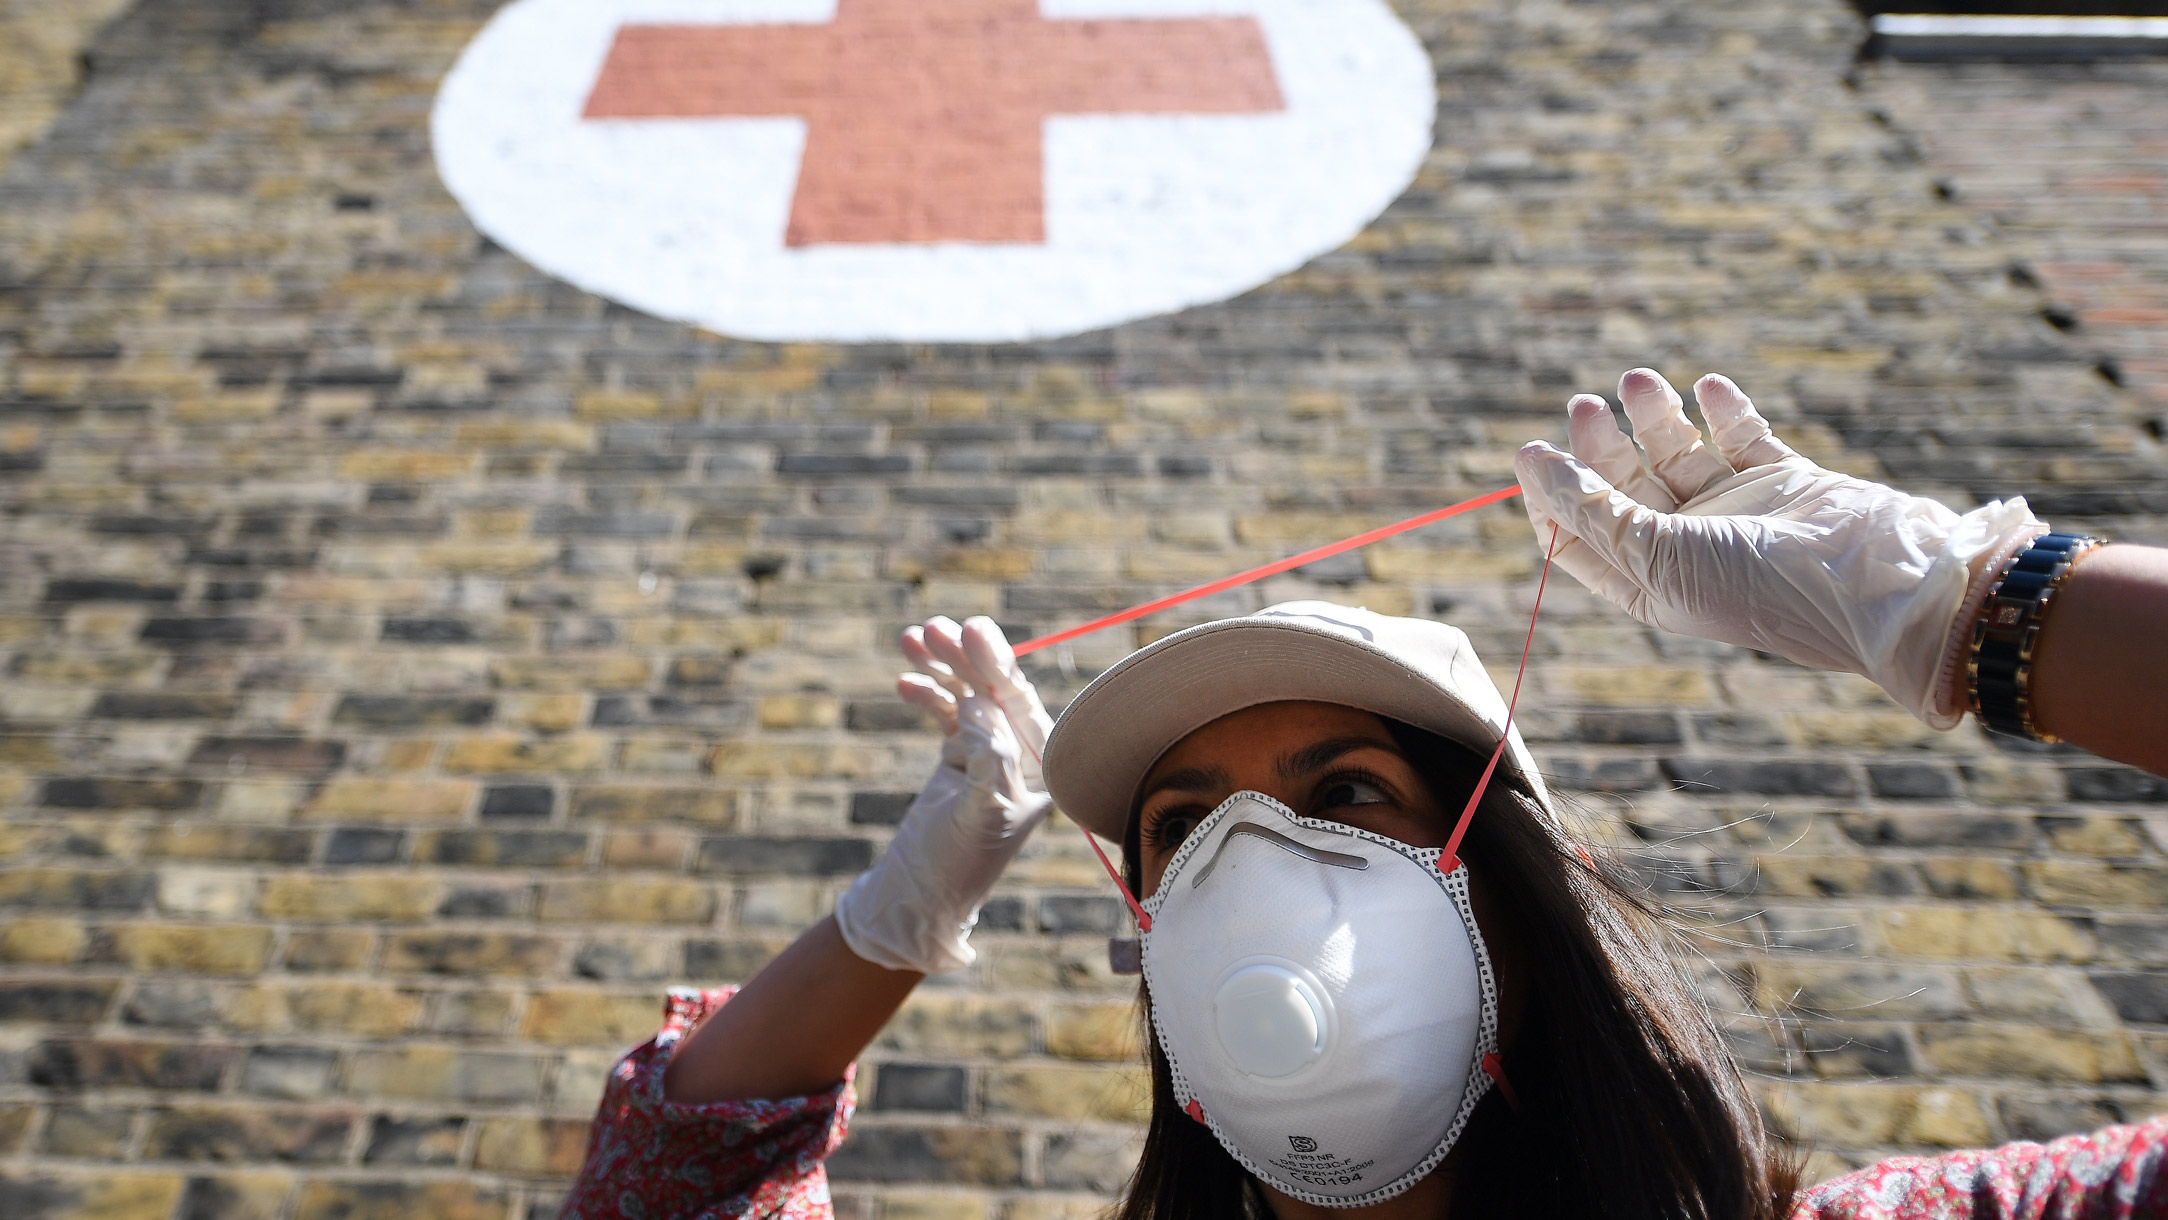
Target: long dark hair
x=1631, y=1105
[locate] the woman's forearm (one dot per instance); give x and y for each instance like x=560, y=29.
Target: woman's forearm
x=2100, y=666
x=793, y=1027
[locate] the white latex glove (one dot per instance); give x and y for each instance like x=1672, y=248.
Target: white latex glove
x=1750, y=543
x=914, y=909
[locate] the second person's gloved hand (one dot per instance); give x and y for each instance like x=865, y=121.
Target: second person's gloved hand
x=914, y=909
x=1750, y=543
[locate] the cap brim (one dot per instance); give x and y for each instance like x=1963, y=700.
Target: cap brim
x=1113, y=732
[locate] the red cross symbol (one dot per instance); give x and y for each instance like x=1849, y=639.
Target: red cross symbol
x=924, y=117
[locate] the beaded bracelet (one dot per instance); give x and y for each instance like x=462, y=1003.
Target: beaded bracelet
x=1998, y=674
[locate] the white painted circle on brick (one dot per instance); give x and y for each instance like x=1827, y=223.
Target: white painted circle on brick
x=1144, y=214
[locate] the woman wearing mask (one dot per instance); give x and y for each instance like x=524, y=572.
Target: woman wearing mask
x=1377, y=986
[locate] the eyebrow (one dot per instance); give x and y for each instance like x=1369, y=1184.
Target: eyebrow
x=1296, y=763
x=1321, y=754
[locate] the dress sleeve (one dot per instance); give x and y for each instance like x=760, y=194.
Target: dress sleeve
x=2118, y=1173
x=652, y=1159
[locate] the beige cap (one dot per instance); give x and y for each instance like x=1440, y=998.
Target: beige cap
x=1413, y=670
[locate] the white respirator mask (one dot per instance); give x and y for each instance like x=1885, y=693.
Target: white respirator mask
x=1324, y=998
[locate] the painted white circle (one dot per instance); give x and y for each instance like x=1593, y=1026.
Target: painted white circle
x=685, y=215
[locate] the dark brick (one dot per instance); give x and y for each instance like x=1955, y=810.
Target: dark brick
x=100, y=1064
x=504, y=848
x=1103, y=464
x=2114, y=784
x=84, y=1131
x=701, y=671
x=364, y=845
x=1061, y=913
x=880, y=808
x=623, y=465
x=1185, y=466
x=564, y=523
x=1856, y=1051
x=919, y=1086
x=2047, y=1118
x=429, y=631
x=843, y=463
x=746, y=855
x=220, y=592
x=56, y=1001
x=270, y=753
x=414, y=711
x=1628, y=728
x=1002, y=914
x=163, y=794
x=163, y=705
x=1702, y=776
x=1912, y=781
x=64, y=590
x=1736, y=729
x=1601, y=774
x=883, y=717
x=974, y=1156
x=2140, y=996
x=731, y=960
x=673, y=711
x=174, y=1003
x=518, y=801
x=258, y=557
x=224, y=1134
x=152, y=525
x=481, y=902
x=64, y=889
x=424, y=1140
x=211, y=629
x=1976, y=830
x=469, y=954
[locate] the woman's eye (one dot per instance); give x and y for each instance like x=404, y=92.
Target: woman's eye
x=1341, y=793
x=1169, y=830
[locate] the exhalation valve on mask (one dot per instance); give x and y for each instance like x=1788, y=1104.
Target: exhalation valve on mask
x=1323, y=997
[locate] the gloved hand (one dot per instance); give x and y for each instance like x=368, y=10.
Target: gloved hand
x=914, y=909
x=1750, y=543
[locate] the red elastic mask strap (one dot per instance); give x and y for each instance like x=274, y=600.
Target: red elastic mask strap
x=1495, y=1068
x=1449, y=859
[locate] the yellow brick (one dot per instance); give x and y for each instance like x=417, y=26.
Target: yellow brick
x=931, y=1205
x=800, y=712
x=790, y=760
x=532, y=1147
x=526, y=434
x=392, y=800
x=195, y=948
x=2013, y=935
x=1408, y=565
x=2033, y=1052
x=562, y=673
x=988, y=563
x=321, y=899
x=1635, y=687
x=228, y=407
x=333, y=1199
x=503, y=557
x=406, y=465
x=364, y=1010
x=589, y=1018
x=114, y=1194
x=2089, y=883
x=493, y=753
x=1858, y=728
x=33, y=940
x=2096, y=836
x=618, y=404
x=544, y=713
x=1069, y=1091
x=622, y=900
x=1877, y=1115
x=1108, y=1032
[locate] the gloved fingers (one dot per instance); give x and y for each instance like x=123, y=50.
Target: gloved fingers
x=993, y=669
x=1676, y=452
x=928, y=696
x=1596, y=440
x=1615, y=528
x=1570, y=554
x=1740, y=432
x=918, y=648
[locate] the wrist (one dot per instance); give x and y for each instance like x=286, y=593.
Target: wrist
x=2006, y=634
x=1952, y=692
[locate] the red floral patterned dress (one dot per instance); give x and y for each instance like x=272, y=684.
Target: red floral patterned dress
x=650, y=1159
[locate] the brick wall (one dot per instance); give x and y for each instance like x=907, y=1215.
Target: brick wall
x=412, y=664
